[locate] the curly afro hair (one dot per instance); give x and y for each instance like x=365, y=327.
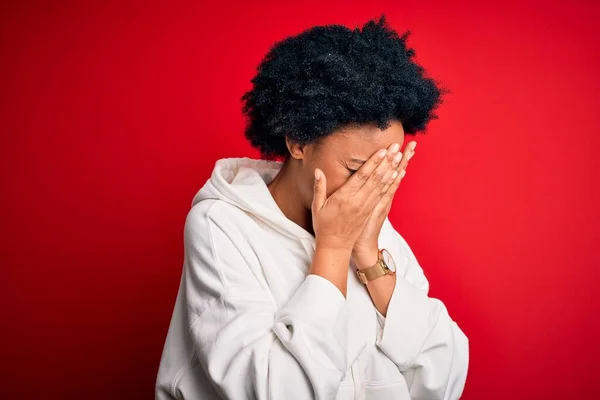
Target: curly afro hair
x=309, y=85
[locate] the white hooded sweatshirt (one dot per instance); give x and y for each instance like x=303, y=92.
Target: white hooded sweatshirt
x=249, y=323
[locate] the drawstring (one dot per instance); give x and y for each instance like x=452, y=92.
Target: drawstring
x=358, y=381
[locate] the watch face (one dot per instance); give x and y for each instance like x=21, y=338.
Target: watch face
x=388, y=260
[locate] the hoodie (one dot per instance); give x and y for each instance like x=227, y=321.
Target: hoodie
x=250, y=323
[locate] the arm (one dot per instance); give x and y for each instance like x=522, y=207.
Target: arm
x=247, y=347
x=418, y=334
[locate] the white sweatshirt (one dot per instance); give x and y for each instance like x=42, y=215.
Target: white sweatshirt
x=249, y=323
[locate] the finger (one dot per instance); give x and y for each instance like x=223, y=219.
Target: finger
x=391, y=192
x=387, y=180
x=386, y=198
x=393, y=157
x=396, y=179
x=380, y=177
x=394, y=171
x=400, y=167
x=409, y=152
x=320, y=190
x=384, y=205
x=357, y=180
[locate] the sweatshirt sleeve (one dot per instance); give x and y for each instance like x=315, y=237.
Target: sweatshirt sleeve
x=248, y=347
x=419, y=335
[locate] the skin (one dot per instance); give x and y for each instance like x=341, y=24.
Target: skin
x=318, y=189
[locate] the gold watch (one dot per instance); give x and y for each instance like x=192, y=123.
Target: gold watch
x=384, y=266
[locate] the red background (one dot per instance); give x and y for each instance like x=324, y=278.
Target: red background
x=113, y=116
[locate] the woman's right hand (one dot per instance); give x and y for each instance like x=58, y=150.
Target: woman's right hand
x=339, y=219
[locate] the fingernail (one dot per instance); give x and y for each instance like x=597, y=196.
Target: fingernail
x=415, y=145
x=402, y=173
x=398, y=158
x=394, y=175
x=382, y=153
x=317, y=174
x=395, y=147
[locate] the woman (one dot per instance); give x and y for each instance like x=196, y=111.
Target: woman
x=295, y=284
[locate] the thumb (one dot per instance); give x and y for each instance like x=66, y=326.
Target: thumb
x=320, y=192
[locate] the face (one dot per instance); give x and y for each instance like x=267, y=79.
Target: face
x=340, y=154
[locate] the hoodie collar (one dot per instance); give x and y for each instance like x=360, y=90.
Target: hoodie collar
x=242, y=182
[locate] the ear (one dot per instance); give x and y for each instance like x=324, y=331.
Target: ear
x=296, y=150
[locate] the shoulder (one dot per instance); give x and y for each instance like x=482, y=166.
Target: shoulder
x=217, y=253
x=220, y=230
x=211, y=213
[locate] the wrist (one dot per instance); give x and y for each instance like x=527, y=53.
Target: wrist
x=330, y=262
x=333, y=246
x=332, y=253
x=365, y=258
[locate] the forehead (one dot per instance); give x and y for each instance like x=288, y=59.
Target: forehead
x=361, y=141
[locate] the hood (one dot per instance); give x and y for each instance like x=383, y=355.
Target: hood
x=242, y=182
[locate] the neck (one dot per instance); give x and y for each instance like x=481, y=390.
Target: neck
x=286, y=194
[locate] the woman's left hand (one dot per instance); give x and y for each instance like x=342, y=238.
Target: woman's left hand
x=366, y=248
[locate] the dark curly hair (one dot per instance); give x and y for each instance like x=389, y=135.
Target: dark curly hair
x=311, y=84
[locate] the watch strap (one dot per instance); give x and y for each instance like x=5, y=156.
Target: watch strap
x=375, y=271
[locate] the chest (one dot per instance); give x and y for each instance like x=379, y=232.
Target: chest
x=283, y=263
